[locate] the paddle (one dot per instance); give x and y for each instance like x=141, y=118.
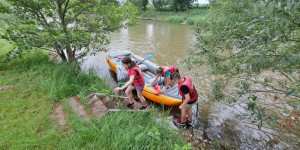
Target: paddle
x=147, y=58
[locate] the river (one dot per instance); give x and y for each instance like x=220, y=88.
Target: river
x=168, y=43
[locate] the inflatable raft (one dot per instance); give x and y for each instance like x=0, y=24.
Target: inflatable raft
x=171, y=97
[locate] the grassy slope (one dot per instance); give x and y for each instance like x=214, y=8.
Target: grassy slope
x=192, y=16
x=25, y=119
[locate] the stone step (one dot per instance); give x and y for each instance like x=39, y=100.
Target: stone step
x=78, y=108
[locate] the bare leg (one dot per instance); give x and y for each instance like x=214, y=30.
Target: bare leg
x=190, y=113
x=183, y=113
x=141, y=97
x=128, y=93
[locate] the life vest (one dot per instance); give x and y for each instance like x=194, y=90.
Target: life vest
x=138, y=79
x=170, y=68
x=192, y=90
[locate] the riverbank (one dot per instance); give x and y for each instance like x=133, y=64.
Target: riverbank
x=194, y=16
x=32, y=86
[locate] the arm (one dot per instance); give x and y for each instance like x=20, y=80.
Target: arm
x=185, y=101
x=155, y=79
x=168, y=80
x=126, y=85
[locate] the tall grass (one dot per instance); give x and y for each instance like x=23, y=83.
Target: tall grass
x=197, y=20
x=36, y=83
x=59, y=80
x=175, y=19
x=122, y=130
x=195, y=16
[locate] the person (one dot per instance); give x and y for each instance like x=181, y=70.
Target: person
x=189, y=95
x=136, y=81
x=165, y=71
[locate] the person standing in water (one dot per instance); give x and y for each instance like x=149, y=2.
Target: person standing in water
x=166, y=72
x=189, y=95
x=136, y=81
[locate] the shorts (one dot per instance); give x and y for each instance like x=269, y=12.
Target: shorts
x=190, y=105
x=139, y=89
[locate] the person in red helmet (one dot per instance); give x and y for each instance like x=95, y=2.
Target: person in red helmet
x=166, y=72
x=189, y=96
x=136, y=81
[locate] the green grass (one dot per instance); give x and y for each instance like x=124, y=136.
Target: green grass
x=194, y=15
x=175, y=19
x=121, y=130
x=37, y=83
x=197, y=20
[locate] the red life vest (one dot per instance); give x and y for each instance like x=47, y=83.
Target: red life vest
x=170, y=68
x=138, y=78
x=192, y=90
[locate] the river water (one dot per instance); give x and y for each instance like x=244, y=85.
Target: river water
x=168, y=43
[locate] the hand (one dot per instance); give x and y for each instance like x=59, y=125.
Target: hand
x=181, y=106
x=117, y=89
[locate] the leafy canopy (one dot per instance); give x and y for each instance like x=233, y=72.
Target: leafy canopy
x=254, y=45
x=77, y=27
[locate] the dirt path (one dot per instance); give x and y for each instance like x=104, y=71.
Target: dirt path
x=60, y=117
x=6, y=87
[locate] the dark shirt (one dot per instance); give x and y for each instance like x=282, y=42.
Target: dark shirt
x=184, y=89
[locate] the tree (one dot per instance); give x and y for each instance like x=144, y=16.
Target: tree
x=159, y=4
x=141, y=4
x=77, y=27
x=180, y=5
x=253, y=45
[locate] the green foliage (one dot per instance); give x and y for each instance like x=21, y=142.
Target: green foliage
x=59, y=81
x=175, y=19
x=76, y=26
x=245, y=40
x=4, y=9
x=122, y=130
x=159, y=4
x=197, y=21
x=180, y=5
x=140, y=4
x=217, y=90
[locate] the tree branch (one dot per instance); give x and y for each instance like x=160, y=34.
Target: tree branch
x=287, y=76
x=79, y=13
x=65, y=9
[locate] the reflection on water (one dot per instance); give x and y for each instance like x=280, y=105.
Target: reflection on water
x=168, y=44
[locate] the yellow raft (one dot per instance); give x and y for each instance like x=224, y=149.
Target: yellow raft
x=171, y=97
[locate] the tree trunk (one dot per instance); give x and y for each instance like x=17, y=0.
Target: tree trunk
x=62, y=56
x=70, y=54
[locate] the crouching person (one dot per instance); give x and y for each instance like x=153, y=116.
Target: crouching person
x=189, y=96
x=136, y=81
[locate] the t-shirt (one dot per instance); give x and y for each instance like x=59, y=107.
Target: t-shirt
x=132, y=72
x=168, y=73
x=184, y=89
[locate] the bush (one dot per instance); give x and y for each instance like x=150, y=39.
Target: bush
x=197, y=20
x=176, y=19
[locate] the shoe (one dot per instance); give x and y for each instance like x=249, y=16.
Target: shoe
x=187, y=121
x=178, y=122
x=143, y=107
x=130, y=104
